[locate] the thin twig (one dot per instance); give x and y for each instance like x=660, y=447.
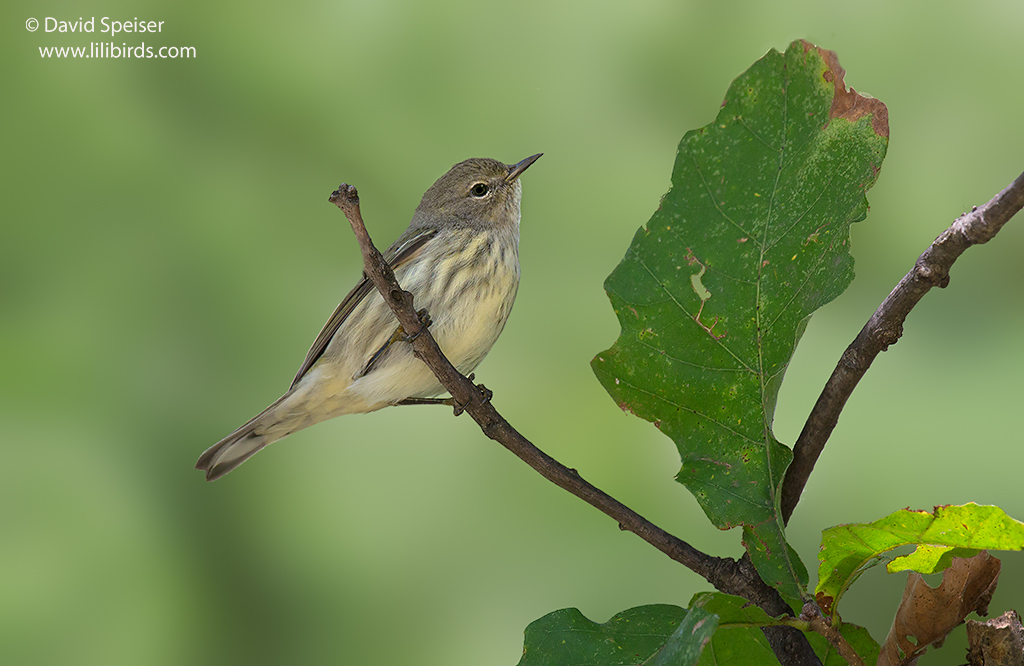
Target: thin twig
x=727, y=575
x=886, y=326
x=819, y=625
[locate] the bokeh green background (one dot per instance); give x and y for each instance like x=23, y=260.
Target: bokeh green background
x=168, y=253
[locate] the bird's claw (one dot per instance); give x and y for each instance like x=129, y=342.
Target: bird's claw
x=425, y=322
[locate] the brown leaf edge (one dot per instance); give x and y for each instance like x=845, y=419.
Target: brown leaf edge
x=850, y=104
x=928, y=614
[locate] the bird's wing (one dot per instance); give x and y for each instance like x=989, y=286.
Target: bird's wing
x=401, y=252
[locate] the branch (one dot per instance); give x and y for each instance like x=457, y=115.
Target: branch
x=475, y=403
x=729, y=576
x=886, y=326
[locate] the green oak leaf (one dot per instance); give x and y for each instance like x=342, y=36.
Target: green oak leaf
x=739, y=640
x=714, y=293
x=687, y=642
x=950, y=531
x=632, y=637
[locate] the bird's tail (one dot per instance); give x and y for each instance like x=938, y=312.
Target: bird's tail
x=263, y=429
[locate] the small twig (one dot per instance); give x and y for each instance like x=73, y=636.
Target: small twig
x=886, y=326
x=730, y=576
x=819, y=625
x=788, y=621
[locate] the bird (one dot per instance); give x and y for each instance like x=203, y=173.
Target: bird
x=459, y=258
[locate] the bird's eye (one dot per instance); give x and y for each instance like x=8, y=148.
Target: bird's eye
x=479, y=190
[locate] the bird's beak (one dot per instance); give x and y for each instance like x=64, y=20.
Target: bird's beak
x=516, y=170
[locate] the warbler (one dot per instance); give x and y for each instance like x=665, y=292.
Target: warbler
x=460, y=260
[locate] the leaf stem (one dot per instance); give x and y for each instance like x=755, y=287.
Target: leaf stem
x=817, y=623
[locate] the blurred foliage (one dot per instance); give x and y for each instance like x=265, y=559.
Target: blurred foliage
x=168, y=254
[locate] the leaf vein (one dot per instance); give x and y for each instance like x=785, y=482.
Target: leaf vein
x=664, y=288
x=688, y=409
x=664, y=353
x=711, y=194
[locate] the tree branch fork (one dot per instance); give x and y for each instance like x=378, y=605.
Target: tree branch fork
x=739, y=578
